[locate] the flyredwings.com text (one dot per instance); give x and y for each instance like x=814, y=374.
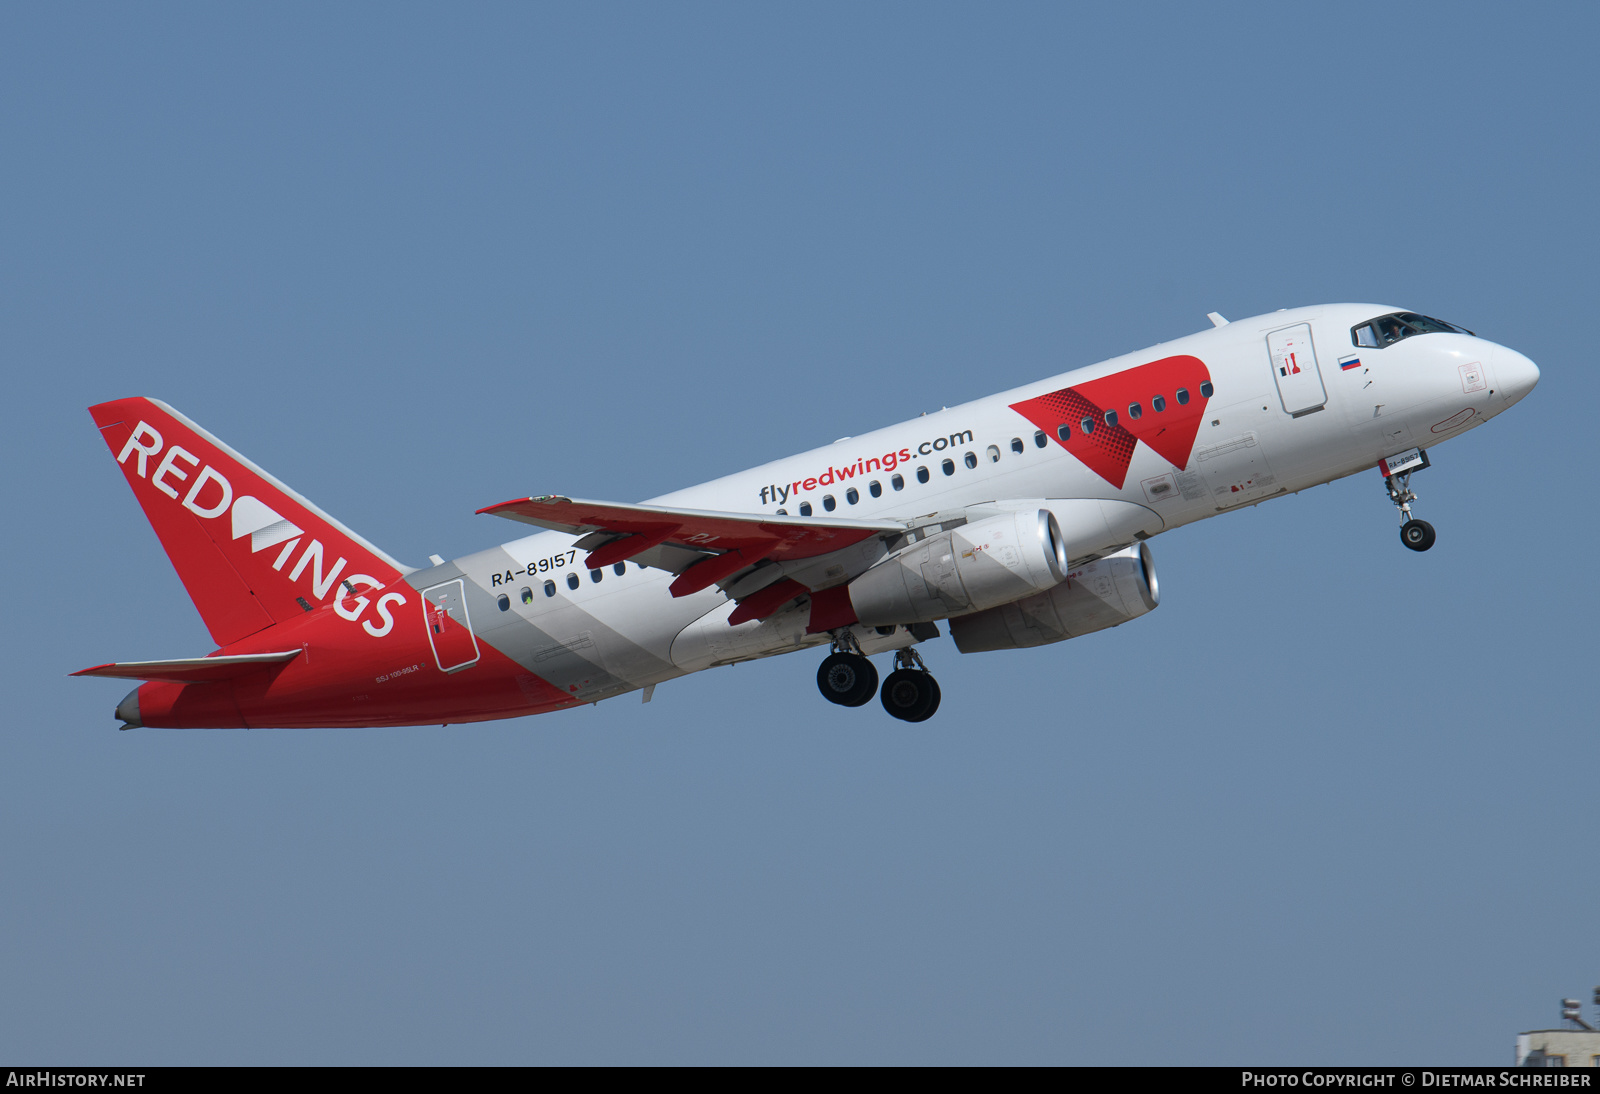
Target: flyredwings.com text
x=862, y=467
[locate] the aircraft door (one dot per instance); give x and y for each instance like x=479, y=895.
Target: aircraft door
x=444, y=609
x=1294, y=370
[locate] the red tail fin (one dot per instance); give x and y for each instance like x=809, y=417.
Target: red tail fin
x=250, y=551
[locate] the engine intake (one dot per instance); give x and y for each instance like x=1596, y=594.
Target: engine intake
x=1104, y=593
x=979, y=565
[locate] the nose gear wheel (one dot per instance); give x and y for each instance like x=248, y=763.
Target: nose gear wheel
x=1417, y=535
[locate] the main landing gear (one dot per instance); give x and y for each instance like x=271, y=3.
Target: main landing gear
x=846, y=677
x=910, y=693
x=1415, y=534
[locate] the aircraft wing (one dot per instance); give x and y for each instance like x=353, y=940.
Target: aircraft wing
x=733, y=541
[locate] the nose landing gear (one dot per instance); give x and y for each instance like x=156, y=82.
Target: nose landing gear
x=1415, y=534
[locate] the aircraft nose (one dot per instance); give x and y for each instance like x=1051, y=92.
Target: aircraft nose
x=1515, y=373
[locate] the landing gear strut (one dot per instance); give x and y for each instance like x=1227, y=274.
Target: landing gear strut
x=845, y=676
x=1415, y=534
x=910, y=693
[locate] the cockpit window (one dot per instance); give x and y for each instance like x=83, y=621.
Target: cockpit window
x=1386, y=330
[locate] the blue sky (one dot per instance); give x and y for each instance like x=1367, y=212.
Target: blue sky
x=1328, y=804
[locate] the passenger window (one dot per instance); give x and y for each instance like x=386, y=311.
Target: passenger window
x=1040, y=440
x=620, y=568
x=596, y=575
x=948, y=466
x=852, y=496
x=549, y=588
x=828, y=503
x=1135, y=412
x=1364, y=335
x=1206, y=389
x=1183, y=396
x=1087, y=425
x=922, y=474
x=805, y=509
x=1111, y=419
x=971, y=459
x=504, y=601
x=1158, y=404
x=897, y=482
x=527, y=595
x=1063, y=431
x=1016, y=445
x=783, y=512
x=875, y=488
x=572, y=581
x=994, y=454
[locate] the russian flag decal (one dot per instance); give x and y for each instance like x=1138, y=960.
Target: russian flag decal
x=1348, y=363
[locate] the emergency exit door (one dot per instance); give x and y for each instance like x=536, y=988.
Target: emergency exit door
x=1294, y=369
x=444, y=609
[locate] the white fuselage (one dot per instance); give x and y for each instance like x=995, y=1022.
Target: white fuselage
x=984, y=455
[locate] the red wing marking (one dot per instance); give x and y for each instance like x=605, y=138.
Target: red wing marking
x=1108, y=450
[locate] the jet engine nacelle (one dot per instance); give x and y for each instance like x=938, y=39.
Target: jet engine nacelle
x=978, y=565
x=1101, y=594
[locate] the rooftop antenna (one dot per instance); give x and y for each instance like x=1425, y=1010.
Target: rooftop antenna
x=1570, y=1012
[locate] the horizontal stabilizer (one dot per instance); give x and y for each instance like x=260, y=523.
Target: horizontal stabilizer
x=192, y=670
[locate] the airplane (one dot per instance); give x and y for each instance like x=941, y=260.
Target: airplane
x=1016, y=520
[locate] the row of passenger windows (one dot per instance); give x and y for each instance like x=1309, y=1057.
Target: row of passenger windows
x=897, y=481
x=1087, y=424
x=573, y=581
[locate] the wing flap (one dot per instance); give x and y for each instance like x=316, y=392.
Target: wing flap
x=191, y=670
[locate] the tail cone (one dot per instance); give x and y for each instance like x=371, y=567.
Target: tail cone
x=128, y=710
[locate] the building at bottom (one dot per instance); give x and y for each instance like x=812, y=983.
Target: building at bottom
x=1558, y=1048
